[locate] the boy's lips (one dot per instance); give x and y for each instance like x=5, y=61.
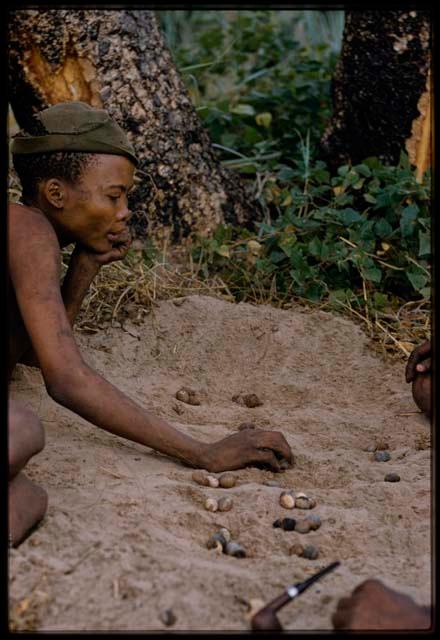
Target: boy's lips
x=114, y=235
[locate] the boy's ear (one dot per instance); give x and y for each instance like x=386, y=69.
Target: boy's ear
x=55, y=192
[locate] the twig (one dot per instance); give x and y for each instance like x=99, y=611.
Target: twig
x=83, y=557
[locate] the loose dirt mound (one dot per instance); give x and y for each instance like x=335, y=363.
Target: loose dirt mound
x=125, y=534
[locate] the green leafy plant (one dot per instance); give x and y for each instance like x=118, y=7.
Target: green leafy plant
x=260, y=81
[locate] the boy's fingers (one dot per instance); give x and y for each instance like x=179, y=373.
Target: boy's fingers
x=267, y=456
x=277, y=442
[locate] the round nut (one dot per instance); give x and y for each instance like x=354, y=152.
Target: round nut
x=251, y=400
x=212, y=481
x=201, y=477
x=225, y=504
x=287, y=500
x=302, y=503
x=227, y=480
x=211, y=504
x=182, y=395
x=297, y=549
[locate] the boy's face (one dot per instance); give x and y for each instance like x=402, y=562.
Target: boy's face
x=96, y=210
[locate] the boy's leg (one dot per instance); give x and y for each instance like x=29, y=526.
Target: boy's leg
x=421, y=390
x=27, y=501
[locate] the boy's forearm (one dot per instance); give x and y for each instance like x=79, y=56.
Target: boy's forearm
x=77, y=281
x=98, y=401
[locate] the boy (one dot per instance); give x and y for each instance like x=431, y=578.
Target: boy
x=76, y=168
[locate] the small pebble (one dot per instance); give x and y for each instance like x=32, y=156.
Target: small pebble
x=225, y=533
x=246, y=425
x=217, y=539
x=310, y=552
x=227, y=480
x=168, y=617
x=287, y=524
x=251, y=400
x=272, y=483
x=382, y=456
x=211, y=504
x=235, y=549
x=315, y=521
x=296, y=550
x=225, y=504
x=392, y=477
x=303, y=526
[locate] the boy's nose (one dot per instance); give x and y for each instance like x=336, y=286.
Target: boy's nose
x=124, y=214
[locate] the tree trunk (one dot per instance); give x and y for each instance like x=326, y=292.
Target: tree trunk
x=117, y=60
x=381, y=91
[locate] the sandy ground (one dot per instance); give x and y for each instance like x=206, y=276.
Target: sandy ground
x=125, y=535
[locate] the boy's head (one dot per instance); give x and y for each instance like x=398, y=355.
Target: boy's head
x=63, y=142
x=78, y=167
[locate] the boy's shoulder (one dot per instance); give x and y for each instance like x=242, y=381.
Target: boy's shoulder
x=28, y=218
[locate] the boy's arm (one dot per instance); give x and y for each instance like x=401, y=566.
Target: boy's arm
x=83, y=267
x=35, y=273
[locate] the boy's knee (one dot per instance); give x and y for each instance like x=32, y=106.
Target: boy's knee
x=26, y=436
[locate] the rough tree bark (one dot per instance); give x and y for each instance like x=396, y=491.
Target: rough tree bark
x=118, y=60
x=381, y=89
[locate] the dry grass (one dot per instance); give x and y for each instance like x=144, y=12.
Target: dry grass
x=129, y=289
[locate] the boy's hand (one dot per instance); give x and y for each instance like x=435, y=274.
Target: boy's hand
x=246, y=448
x=372, y=605
x=414, y=364
x=121, y=244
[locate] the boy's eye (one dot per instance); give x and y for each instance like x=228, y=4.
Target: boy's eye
x=114, y=198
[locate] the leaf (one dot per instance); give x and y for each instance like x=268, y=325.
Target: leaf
x=363, y=169
x=369, y=198
x=424, y=243
x=285, y=173
x=243, y=110
x=408, y=220
x=373, y=274
x=383, y=228
x=264, y=119
x=277, y=256
x=380, y=299
x=349, y=216
x=417, y=277
x=223, y=250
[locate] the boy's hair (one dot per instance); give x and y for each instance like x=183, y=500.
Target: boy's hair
x=33, y=168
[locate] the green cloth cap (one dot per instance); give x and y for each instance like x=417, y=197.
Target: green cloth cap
x=76, y=126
